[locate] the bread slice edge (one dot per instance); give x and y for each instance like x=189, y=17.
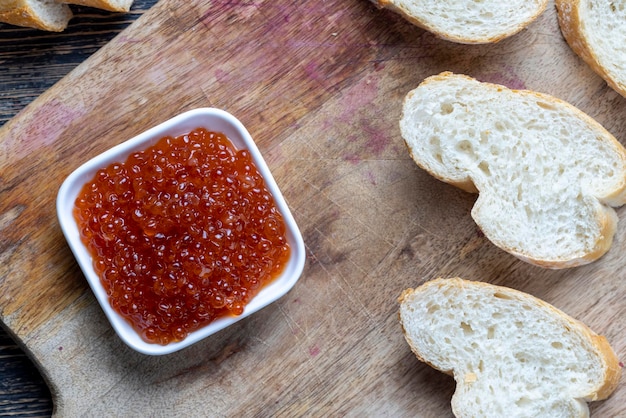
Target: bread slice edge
x=24, y=15
x=423, y=23
x=572, y=28
x=613, y=196
x=612, y=368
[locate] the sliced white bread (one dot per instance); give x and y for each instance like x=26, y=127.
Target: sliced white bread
x=511, y=354
x=468, y=21
x=38, y=14
x=548, y=174
x=596, y=30
x=111, y=5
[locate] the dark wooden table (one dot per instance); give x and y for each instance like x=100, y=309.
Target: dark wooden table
x=31, y=61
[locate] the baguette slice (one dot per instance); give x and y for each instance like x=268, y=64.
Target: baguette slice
x=595, y=30
x=110, y=5
x=546, y=172
x=511, y=354
x=38, y=14
x=467, y=21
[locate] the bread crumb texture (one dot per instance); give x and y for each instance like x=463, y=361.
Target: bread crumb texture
x=511, y=355
x=596, y=30
x=51, y=15
x=45, y=15
x=547, y=173
x=469, y=21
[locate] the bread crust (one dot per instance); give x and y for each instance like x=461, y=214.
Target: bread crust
x=606, y=219
x=573, y=30
x=24, y=16
x=21, y=13
x=611, y=368
x=615, y=198
x=468, y=39
x=102, y=4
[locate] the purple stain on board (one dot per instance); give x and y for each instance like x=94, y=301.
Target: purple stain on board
x=221, y=75
x=360, y=101
x=377, y=139
x=360, y=96
x=44, y=126
x=314, y=351
x=352, y=158
x=312, y=71
x=371, y=178
x=507, y=77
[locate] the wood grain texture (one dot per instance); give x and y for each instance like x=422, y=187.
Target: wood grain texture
x=32, y=61
x=23, y=393
x=320, y=87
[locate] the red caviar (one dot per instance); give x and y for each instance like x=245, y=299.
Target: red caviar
x=182, y=233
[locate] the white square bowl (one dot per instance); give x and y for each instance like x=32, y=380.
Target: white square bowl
x=213, y=120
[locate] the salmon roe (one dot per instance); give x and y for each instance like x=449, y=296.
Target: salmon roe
x=181, y=234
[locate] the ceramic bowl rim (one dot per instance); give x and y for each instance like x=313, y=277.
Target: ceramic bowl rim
x=213, y=119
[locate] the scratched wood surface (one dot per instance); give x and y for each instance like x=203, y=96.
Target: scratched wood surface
x=32, y=61
x=319, y=85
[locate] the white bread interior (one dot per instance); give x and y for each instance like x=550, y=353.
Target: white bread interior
x=45, y=15
x=546, y=172
x=468, y=21
x=51, y=15
x=511, y=354
x=596, y=31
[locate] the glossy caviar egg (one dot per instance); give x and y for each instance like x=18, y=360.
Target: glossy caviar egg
x=182, y=233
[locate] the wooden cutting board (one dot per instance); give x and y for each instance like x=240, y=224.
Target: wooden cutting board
x=319, y=84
